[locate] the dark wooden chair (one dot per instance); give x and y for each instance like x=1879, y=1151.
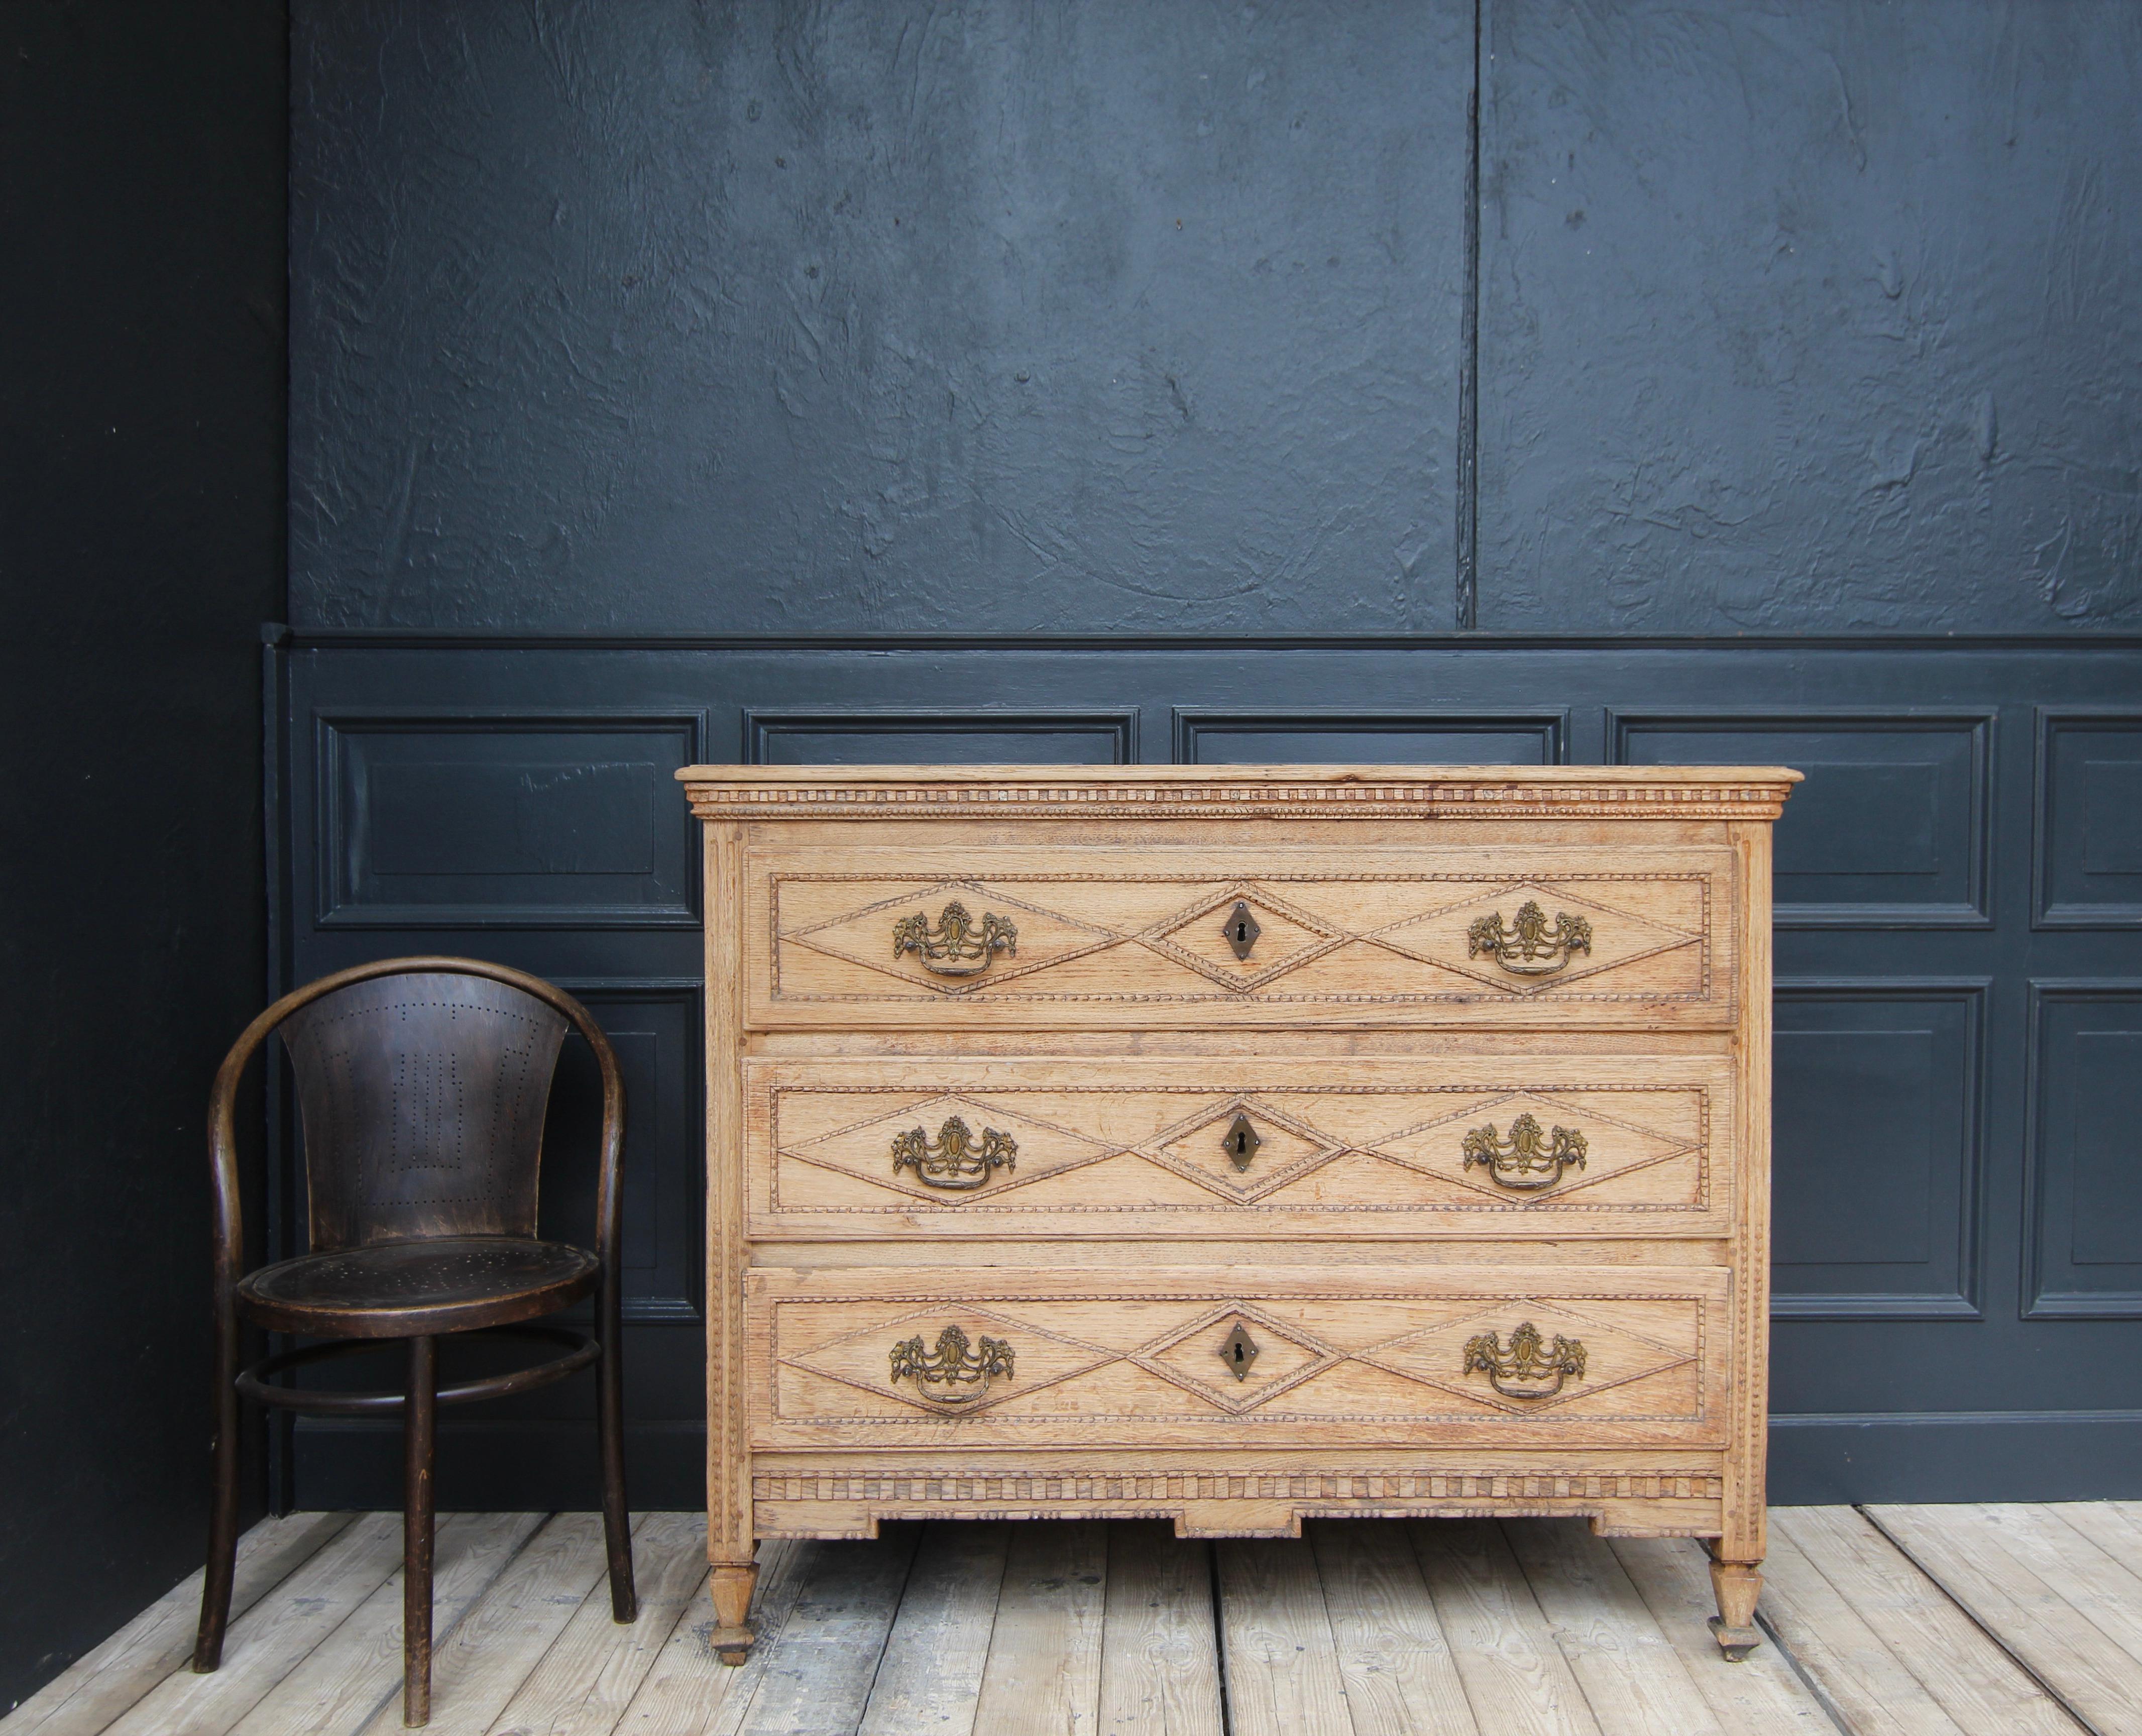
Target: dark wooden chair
x=422, y=1084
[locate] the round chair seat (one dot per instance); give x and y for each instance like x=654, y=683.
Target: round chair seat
x=402, y=1289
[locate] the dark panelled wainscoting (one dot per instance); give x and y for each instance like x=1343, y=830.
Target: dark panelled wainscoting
x=1959, y=1038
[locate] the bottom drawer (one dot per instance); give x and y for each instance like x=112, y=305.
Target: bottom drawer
x=1337, y=1357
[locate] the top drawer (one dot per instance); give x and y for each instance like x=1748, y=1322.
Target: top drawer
x=1610, y=937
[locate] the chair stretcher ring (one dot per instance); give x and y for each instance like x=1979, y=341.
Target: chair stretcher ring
x=581, y=1353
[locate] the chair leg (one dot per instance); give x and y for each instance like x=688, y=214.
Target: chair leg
x=223, y=1508
x=609, y=1425
x=419, y=1430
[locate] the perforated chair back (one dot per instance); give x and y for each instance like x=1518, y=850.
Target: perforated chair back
x=423, y=1097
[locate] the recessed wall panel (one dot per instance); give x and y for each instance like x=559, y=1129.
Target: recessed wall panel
x=1370, y=738
x=945, y=737
x=2086, y=1149
x=1888, y=830
x=1874, y=1148
x=654, y=1030
x=504, y=821
x=2089, y=828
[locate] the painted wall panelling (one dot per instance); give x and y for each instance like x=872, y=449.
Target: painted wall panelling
x=2084, y=1228
x=1901, y=1079
x=922, y=736
x=1892, y=827
x=1881, y=1105
x=1370, y=738
x=2087, y=867
x=468, y=819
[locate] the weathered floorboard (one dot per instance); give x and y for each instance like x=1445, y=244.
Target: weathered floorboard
x=1394, y=1661
x=689, y=1690
x=277, y=1635
x=930, y=1676
x=489, y=1655
x=1633, y=1678
x=2058, y=1644
x=1980, y=1686
x=1362, y=1628
x=1865, y=1685
x=354, y=1672
x=817, y=1671
x=1758, y=1697
x=1516, y=1679
x=1160, y=1657
x=1283, y=1676
x=93, y=1690
x=593, y=1669
x=1044, y=1672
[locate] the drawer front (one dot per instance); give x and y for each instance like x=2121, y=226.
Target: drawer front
x=892, y=1146
x=1351, y=1357
x=1621, y=937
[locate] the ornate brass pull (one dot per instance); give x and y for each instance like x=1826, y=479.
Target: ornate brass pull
x=1239, y=1142
x=1241, y=929
x=1238, y=1350
x=1528, y=1160
x=1527, y=1360
x=955, y=948
x=954, y=1161
x=962, y=1371
x=1528, y=947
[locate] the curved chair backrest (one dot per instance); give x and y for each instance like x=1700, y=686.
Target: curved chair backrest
x=422, y=1099
x=422, y=1084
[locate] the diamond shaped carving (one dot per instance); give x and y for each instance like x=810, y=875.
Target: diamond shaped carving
x=863, y=1359
x=1281, y=937
x=864, y=936
x=865, y=1149
x=1615, y=1354
x=1286, y=1355
x=1615, y=1146
x=1206, y=1150
x=1443, y=936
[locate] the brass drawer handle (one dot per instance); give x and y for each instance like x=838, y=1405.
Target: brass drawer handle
x=962, y=1372
x=954, y=1161
x=955, y=948
x=1528, y=1160
x=1527, y=947
x=1527, y=1361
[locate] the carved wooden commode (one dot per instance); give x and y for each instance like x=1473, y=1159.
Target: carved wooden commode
x=1237, y=1144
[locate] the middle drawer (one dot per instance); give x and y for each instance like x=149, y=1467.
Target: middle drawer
x=1639, y=1145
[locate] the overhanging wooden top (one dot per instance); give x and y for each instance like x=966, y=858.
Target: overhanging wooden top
x=1322, y=792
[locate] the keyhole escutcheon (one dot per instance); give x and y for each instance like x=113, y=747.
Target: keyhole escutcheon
x=1241, y=930
x=1238, y=1350
x=1242, y=1142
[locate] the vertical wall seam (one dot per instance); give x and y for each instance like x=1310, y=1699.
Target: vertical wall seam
x=1468, y=361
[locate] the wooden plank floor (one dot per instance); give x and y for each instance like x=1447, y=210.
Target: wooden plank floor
x=1887, y=1621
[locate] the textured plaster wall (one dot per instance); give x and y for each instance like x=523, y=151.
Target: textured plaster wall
x=1805, y=317
x=1146, y=315
x=977, y=319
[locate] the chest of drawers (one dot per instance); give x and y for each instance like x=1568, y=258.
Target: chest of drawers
x=1237, y=1145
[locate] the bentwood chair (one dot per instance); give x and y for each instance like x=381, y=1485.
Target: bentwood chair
x=422, y=1084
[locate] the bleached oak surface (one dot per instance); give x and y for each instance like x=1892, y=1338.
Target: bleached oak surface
x=1896, y=1621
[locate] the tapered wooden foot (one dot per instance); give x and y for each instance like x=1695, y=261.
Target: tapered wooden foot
x=1738, y=1585
x=731, y=1588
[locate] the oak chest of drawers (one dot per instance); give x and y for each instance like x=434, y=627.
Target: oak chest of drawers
x=1237, y=1144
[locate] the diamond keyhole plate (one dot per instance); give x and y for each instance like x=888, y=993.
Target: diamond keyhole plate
x=1238, y=1350
x=1242, y=929
x=1242, y=1142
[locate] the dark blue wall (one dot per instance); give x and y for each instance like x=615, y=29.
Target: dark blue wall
x=1153, y=381
x=141, y=206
